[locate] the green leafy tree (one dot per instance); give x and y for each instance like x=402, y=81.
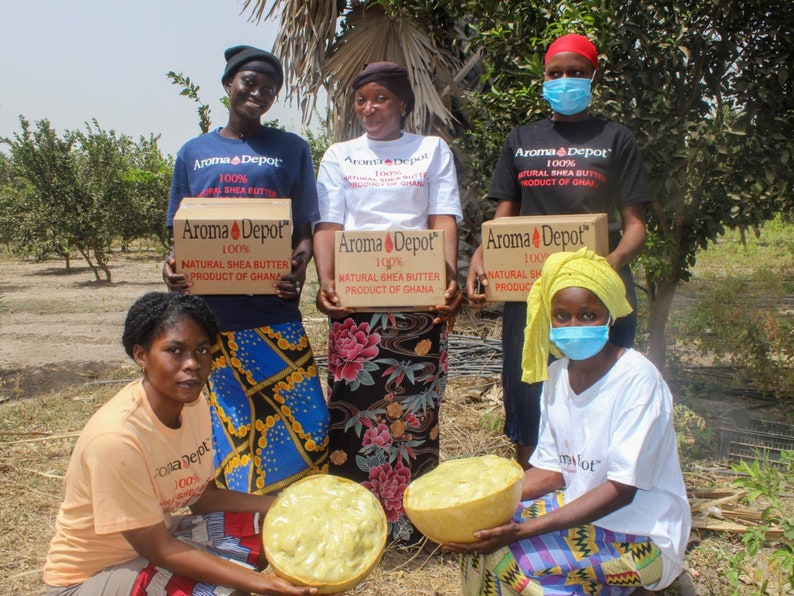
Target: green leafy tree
x=703, y=84
x=42, y=173
x=78, y=193
x=8, y=201
x=147, y=181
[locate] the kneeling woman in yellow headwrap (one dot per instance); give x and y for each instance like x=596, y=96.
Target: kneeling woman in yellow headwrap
x=605, y=506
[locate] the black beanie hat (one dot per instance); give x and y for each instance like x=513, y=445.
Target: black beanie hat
x=237, y=56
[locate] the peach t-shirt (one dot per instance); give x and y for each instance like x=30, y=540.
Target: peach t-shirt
x=128, y=470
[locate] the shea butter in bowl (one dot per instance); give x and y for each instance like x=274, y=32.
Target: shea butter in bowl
x=326, y=532
x=461, y=496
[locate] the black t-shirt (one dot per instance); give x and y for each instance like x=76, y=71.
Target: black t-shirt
x=563, y=168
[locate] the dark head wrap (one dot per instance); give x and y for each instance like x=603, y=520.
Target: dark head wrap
x=258, y=61
x=392, y=76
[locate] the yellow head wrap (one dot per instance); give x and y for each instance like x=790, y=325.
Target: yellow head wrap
x=580, y=269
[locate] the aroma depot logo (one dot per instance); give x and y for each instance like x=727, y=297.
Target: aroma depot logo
x=540, y=237
x=393, y=242
x=242, y=229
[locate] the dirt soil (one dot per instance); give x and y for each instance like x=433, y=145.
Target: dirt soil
x=58, y=328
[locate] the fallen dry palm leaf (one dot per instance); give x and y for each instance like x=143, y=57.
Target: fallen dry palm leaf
x=714, y=509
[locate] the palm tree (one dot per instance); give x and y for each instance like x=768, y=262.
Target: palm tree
x=324, y=44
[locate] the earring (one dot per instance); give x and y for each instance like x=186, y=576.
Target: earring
x=143, y=370
x=402, y=113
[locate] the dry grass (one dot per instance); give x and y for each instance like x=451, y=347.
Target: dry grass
x=38, y=428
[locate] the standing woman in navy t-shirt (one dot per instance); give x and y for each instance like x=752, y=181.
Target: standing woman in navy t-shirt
x=269, y=415
x=570, y=163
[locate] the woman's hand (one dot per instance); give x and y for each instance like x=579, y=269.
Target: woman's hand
x=328, y=302
x=158, y=546
x=447, y=311
x=476, y=281
x=490, y=540
x=281, y=587
x=176, y=282
x=290, y=286
x=475, y=291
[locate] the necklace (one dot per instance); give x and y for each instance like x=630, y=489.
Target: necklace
x=243, y=135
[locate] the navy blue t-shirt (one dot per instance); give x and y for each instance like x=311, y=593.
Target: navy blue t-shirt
x=274, y=164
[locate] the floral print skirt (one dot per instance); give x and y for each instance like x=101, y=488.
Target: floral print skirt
x=386, y=377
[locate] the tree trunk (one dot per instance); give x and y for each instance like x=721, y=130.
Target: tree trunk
x=102, y=261
x=103, y=264
x=88, y=260
x=660, y=301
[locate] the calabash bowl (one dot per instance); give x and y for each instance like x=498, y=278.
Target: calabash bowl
x=461, y=496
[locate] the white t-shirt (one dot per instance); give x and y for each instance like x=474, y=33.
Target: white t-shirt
x=368, y=185
x=620, y=429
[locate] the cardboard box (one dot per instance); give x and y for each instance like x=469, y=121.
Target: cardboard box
x=515, y=248
x=233, y=246
x=390, y=270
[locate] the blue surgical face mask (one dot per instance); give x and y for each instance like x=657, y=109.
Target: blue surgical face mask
x=568, y=95
x=580, y=342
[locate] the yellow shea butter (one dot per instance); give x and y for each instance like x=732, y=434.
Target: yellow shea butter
x=324, y=531
x=464, y=495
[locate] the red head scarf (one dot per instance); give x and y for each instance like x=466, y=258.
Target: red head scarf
x=573, y=42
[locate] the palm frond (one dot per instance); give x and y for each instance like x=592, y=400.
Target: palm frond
x=319, y=54
x=372, y=36
x=306, y=29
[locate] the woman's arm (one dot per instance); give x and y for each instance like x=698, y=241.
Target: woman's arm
x=476, y=270
x=539, y=482
x=290, y=285
x=595, y=504
x=218, y=499
x=452, y=295
x=327, y=298
x=157, y=545
x=633, y=238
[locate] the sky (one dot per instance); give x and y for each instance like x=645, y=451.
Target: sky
x=73, y=61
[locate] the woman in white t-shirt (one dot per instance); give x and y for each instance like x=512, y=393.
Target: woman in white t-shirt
x=386, y=370
x=143, y=456
x=604, y=505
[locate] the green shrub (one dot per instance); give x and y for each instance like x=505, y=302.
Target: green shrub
x=765, y=483
x=751, y=335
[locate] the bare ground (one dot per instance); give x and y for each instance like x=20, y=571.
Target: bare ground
x=62, y=327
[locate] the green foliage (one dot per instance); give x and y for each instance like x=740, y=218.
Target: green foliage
x=703, y=84
x=765, y=483
x=42, y=173
x=318, y=143
x=191, y=90
x=493, y=421
x=75, y=194
x=692, y=433
x=755, y=340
